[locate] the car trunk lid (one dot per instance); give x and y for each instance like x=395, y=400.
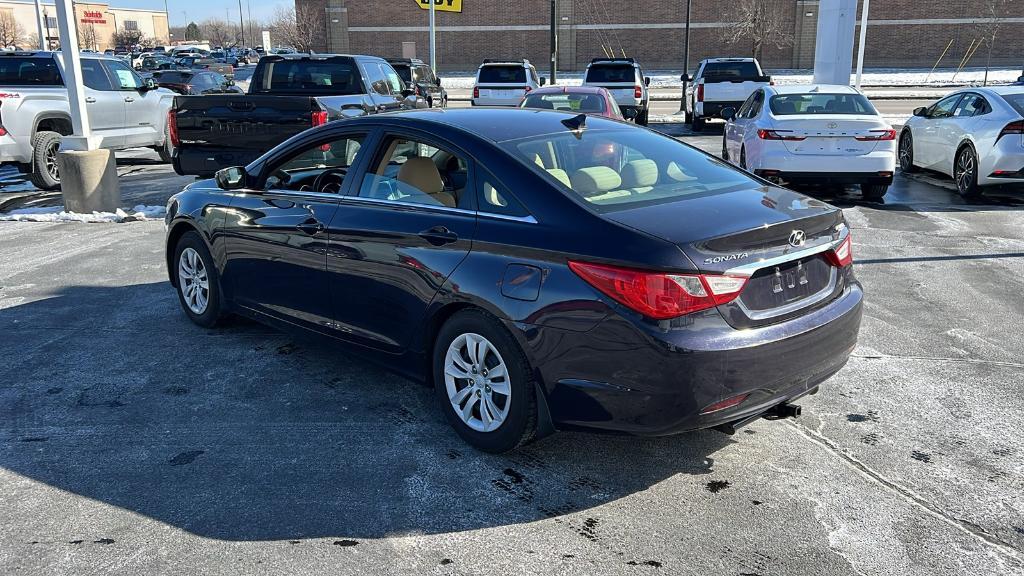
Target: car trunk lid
x=829, y=135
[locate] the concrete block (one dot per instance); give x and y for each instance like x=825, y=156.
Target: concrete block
x=88, y=181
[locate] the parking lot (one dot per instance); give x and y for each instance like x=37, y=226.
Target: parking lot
x=133, y=442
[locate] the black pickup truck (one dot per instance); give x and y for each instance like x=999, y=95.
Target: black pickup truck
x=288, y=93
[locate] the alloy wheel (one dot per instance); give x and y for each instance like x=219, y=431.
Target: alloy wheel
x=906, y=152
x=193, y=281
x=477, y=382
x=965, y=169
x=51, y=160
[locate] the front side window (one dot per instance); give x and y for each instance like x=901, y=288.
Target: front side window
x=93, y=75
x=502, y=74
x=592, y=103
x=412, y=171
x=793, y=104
x=615, y=169
x=124, y=77
x=394, y=82
x=944, y=108
x=319, y=168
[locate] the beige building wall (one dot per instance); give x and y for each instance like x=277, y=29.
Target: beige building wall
x=95, y=21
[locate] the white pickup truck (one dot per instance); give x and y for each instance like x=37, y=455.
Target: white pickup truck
x=124, y=110
x=720, y=83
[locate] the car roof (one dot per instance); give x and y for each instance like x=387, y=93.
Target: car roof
x=496, y=124
x=569, y=90
x=1005, y=90
x=815, y=88
x=728, y=60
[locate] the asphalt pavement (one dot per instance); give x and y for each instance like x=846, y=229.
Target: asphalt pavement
x=133, y=442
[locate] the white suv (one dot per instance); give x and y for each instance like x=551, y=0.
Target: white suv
x=624, y=78
x=505, y=82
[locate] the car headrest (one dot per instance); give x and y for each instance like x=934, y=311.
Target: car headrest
x=537, y=160
x=639, y=173
x=421, y=173
x=785, y=107
x=595, y=180
x=561, y=175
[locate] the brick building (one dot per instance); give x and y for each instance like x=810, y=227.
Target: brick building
x=900, y=32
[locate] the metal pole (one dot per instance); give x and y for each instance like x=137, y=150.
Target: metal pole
x=73, y=78
x=863, y=37
x=554, y=42
x=46, y=18
x=167, y=19
x=241, y=24
x=39, y=27
x=433, y=39
x=686, y=56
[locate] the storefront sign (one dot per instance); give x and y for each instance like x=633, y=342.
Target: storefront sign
x=93, y=17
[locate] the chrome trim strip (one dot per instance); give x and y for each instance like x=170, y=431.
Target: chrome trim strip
x=749, y=269
x=431, y=207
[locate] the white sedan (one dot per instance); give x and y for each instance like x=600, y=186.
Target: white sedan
x=816, y=133
x=975, y=135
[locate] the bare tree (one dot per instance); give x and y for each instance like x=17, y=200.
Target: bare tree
x=300, y=29
x=11, y=33
x=993, y=13
x=761, y=22
x=218, y=32
x=87, y=38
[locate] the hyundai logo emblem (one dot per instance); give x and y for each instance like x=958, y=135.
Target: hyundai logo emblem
x=797, y=238
x=832, y=126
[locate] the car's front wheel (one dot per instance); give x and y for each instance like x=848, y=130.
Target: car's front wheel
x=484, y=382
x=197, y=279
x=725, y=149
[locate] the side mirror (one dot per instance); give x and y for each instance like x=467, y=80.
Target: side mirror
x=728, y=113
x=543, y=80
x=149, y=84
x=920, y=111
x=647, y=80
x=406, y=92
x=230, y=178
x=767, y=79
x=438, y=80
x=685, y=78
x=229, y=82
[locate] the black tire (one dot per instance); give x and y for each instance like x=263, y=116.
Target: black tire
x=166, y=151
x=520, y=425
x=687, y=117
x=45, y=174
x=743, y=158
x=907, y=163
x=213, y=312
x=965, y=172
x=696, y=123
x=725, y=150
x=641, y=118
x=873, y=191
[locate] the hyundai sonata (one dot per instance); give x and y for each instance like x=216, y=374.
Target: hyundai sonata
x=541, y=270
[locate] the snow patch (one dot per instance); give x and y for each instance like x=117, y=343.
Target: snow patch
x=58, y=214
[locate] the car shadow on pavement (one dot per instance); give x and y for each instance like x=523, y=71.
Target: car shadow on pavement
x=244, y=433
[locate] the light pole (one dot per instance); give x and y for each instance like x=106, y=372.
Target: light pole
x=554, y=41
x=167, y=19
x=39, y=28
x=433, y=39
x=686, y=58
x=241, y=24
x=863, y=37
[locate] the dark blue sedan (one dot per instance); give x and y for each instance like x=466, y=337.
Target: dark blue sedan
x=542, y=270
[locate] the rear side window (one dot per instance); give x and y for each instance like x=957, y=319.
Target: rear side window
x=728, y=71
x=790, y=104
x=309, y=77
x=403, y=72
x=176, y=77
x=492, y=74
x=1016, y=101
x=611, y=73
x=94, y=76
x=17, y=71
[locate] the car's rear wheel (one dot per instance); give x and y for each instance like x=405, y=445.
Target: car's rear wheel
x=965, y=172
x=906, y=153
x=197, y=279
x=484, y=382
x=873, y=191
x=45, y=173
x=167, y=150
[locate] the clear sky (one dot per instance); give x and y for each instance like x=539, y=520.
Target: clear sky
x=199, y=10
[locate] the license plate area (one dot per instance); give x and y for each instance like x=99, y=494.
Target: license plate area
x=777, y=290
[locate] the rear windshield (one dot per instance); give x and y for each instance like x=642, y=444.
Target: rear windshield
x=790, y=104
x=611, y=73
x=617, y=169
x=17, y=71
x=1015, y=100
x=403, y=72
x=336, y=77
x=492, y=74
x=566, y=102
x=728, y=71
x=175, y=77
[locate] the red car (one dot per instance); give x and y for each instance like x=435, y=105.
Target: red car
x=587, y=99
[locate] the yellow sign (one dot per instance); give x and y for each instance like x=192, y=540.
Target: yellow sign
x=441, y=5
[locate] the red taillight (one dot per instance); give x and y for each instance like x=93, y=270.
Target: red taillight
x=3, y=131
x=778, y=135
x=527, y=91
x=700, y=92
x=725, y=404
x=842, y=255
x=877, y=135
x=1012, y=128
x=318, y=118
x=659, y=295
x=476, y=91
x=638, y=92
x=172, y=127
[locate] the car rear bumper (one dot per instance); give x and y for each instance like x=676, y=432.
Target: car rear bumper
x=627, y=377
x=1005, y=162
x=11, y=151
x=828, y=177
x=876, y=167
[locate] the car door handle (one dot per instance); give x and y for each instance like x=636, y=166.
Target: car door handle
x=129, y=99
x=311, y=226
x=90, y=100
x=439, y=235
